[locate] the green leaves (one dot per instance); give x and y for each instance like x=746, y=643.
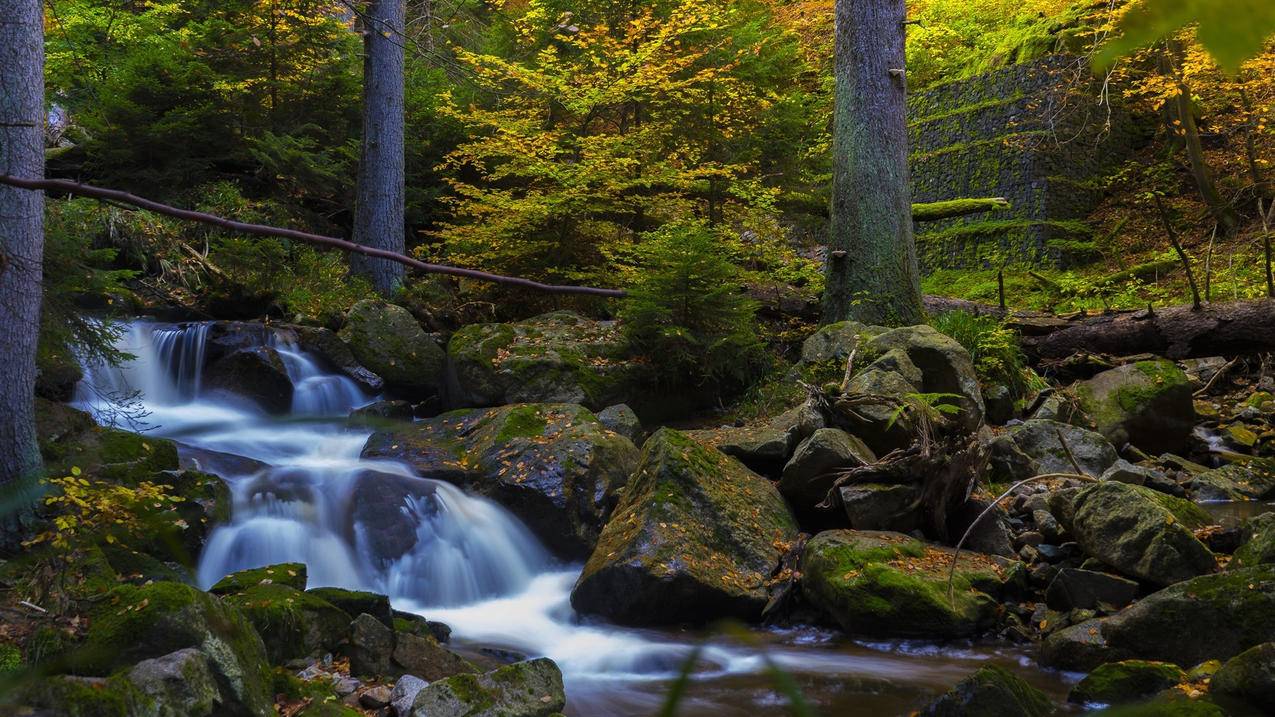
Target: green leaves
x=1233, y=31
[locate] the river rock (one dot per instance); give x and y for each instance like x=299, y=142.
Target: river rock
x=387, y=340
x=135, y=623
x=878, y=506
x=1249, y=676
x=621, y=419
x=293, y=624
x=58, y=695
x=1147, y=403
x=404, y=693
x=553, y=465
x=559, y=357
x=292, y=575
x=1123, y=471
x=371, y=647
x=810, y=473
x=385, y=512
x=256, y=373
x=1258, y=542
x=1033, y=448
x=70, y=438
x=1126, y=681
x=1074, y=588
x=764, y=448
x=357, y=602
x=892, y=585
x=334, y=352
x=696, y=537
x=1142, y=533
x=1205, y=618
x=992, y=691
x=422, y=655
x=181, y=683
x=524, y=689
x=1252, y=479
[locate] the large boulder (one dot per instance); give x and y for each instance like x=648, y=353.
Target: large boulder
x=293, y=624
x=1249, y=676
x=696, y=537
x=558, y=357
x=835, y=342
x=992, y=691
x=1258, y=545
x=256, y=373
x=763, y=448
x=892, y=585
x=1148, y=404
x=387, y=340
x=1212, y=617
x=945, y=366
x=329, y=347
x=135, y=623
x=1142, y=533
x=524, y=689
x=881, y=506
x=181, y=683
x=811, y=471
x=1034, y=448
x=292, y=575
x=554, y=465
x=1126, y=681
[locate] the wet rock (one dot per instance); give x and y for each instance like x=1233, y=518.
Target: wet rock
x=1253, y=479
x=371, y=647
x=404, y=693
x=181, y=684
x=70, y=438
x=1258, y=546
x=810, y=473
x=329, y=347
x=1142, y=533
x=386, y=509
x=388, y=341
x=1034, y=448
x=292, y=575
x=526, y=689
x=256, y=373
x=695, y=537
x=380, y=412
x=555, y=466
x=422, y=655
x=1209, y=617
x=999, y=404
x=1147, y=403
x=877, y=506
x=1074, y=588
x=559, y=357
x=215, y=462
x=621, y=419
x=764, y=449
x=357, y=602
x=292, y=623
x=992, y=691
x=1126, y=681
x=413, y=623
x=892, y=585
x=1249, y=676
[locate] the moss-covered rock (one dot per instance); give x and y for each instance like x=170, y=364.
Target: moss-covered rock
x=945, y=366
x=1168, y=704
x=423, y=656
x=696, y=537
x=136, y=567
x=892, y=585
x=992, y=691
x=325, y=344
x=1250, y=479
x=764, y=449
x=1034, y=448
x=293, y=624
x=357, y=602
x=1259, y=542
x=181, y=683
x=524, y=689
x=1147, y=403
x=1249, y=676
x=292, y=575
x=69, y=437
x=388, y=341
x=835, y=342
x=135, y=623
x=558, y=357
x=1126, y=681
x=1142, y=533
x=71, y=696
x=554, y=465
x=1205, y=618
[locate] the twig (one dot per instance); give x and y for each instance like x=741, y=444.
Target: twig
x=1217, y=376
x=1208, y=267
x=845, y=381
x=1177, y=246
x=32, y=606
x=1070, y=456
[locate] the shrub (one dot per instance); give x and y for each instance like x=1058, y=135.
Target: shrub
x=687, y=312
x=994, y=347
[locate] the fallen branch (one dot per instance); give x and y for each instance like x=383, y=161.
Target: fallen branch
x=1216, y=376
x=115, y=195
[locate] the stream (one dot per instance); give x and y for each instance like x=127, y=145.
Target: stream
x=474, y=566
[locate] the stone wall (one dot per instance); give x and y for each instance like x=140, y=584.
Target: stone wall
x=1033, y=133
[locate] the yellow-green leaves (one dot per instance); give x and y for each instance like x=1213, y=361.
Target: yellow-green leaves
x=1232, y=31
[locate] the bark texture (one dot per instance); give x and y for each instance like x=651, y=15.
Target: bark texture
x=378, y=215
x=872, y=270
x=21, y=243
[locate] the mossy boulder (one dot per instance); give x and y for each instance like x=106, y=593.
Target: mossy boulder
x=1205, y=618
x=554, y=465
x=1142, y=533
x=892, y=585
x=181, y=683
x=357, y=602
x=696, y=537
x=524, y=689
x=1249, y=676
x=329, y=347
x=1171, y=703
x=559, y=357
x=1126, y=681
x=763, y=448
x=74, y=696
x=135, y=623
x=811, y=471
x=1259, y=542
x=992, y=691
x=292, y=575
x=423, y=656
x=835, y=342
x=293, y=624
x=1249, y=479
x=1034, y=447
x=945, y=366
x=70, y=438
x=256, y=373
x=1147, y=403
x=388, y=341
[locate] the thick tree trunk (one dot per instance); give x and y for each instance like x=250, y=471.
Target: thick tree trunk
x=872, y=271
x=378, y=215
x=21, y=246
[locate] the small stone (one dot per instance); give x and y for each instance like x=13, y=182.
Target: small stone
x=1047, y=525
x=376, y=698
x=404, y=693
x=345, y=685
x=1031, y=537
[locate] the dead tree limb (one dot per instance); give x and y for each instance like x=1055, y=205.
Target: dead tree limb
x=114, y=195
x=1177, y=246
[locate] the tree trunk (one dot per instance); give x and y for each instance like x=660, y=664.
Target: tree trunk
x=1184, y=109
x=378, y=215
x=21, y=247
x=872, y=271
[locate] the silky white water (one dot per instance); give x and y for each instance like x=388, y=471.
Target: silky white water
x=469, y=563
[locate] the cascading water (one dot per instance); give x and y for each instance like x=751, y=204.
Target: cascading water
x=303, y=494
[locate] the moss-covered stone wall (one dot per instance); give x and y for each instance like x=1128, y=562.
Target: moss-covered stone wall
x=1033, y=133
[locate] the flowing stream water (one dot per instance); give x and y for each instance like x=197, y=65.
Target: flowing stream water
x=473, y=565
